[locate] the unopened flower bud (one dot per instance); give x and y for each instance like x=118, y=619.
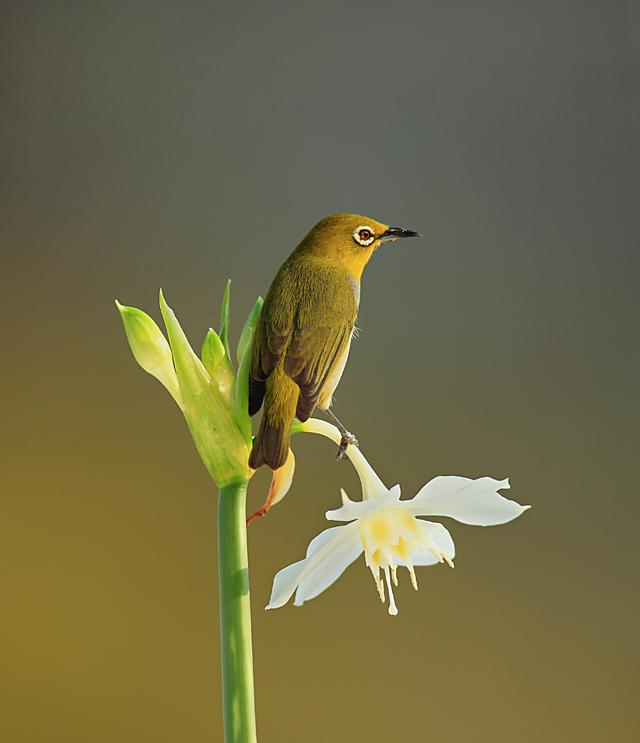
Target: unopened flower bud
x=214, y=358
x=150, y=348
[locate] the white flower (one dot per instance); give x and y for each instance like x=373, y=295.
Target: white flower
x=386, y=529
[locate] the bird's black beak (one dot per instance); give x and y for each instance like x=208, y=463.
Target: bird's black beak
x=394, y=232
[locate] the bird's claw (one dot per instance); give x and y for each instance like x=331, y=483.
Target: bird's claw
x=347, y=438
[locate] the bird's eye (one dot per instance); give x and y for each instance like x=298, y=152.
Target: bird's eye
x=364, y=236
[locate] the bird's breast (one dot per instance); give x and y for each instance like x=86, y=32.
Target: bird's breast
x=355, y=285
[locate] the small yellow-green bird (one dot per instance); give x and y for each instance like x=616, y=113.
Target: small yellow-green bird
x=305, y=328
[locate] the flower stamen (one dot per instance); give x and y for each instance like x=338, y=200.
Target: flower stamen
x=412, y=573
x=393, y=609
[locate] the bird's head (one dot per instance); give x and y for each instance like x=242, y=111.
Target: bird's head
x=350, y=239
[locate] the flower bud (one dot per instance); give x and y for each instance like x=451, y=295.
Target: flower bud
x=214, y=358
x=150, y=348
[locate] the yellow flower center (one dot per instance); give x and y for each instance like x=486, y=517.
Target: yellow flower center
x=389, y=538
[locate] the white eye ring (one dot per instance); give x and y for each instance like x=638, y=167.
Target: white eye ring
x=365, y=242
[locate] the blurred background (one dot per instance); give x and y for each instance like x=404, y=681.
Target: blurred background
x=179, y=144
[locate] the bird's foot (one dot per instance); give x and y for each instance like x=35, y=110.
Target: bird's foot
x=347, y=438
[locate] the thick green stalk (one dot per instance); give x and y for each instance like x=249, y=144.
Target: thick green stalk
x=235, y=616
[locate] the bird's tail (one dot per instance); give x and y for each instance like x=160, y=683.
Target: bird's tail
x=271, y=445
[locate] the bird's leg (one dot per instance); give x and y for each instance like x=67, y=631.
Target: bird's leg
x=347, y=438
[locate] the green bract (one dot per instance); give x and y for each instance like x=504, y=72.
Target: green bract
x=249, y=329
x=213, y=399
x=224, y=319
x=240, y=392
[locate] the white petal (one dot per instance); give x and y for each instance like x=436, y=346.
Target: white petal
x=282, y=479
x=394, y=494
x=350, y=510
x=441, y=486
x=288, y=579
x=284, y=584
x=423, y=557
x=323, y=538
x=356, y=509
x=440, y=536
x=330, y=569
x=473, y=502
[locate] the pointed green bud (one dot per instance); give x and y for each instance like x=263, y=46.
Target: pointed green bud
x=224, y=320
x=249, y=328
x=217, y=364
x=219, y=441
x=150, y=348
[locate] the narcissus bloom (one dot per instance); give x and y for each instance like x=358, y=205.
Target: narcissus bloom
x=388, y=531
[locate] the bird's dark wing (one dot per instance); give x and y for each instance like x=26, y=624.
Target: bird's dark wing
x=311, y=343
x=311, y=359
x=268, y=345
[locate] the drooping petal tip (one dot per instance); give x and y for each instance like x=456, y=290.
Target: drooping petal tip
x=328, y=556
x=280, y=484
x=474, y=502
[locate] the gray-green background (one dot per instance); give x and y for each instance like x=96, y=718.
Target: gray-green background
x=178, y=144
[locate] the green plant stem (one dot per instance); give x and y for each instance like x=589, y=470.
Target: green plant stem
x=235, y=616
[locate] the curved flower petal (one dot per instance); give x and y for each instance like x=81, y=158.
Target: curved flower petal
x=439, y=537
x=329, y=570
x=474, y=502
x=420, y=559
x=285, y=583
x=320, y=550
x=352, y=509
x=280, y=483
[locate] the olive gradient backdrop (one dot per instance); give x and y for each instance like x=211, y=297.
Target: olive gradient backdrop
x=177, y=144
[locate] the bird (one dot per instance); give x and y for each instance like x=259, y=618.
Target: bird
x=304, y=331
